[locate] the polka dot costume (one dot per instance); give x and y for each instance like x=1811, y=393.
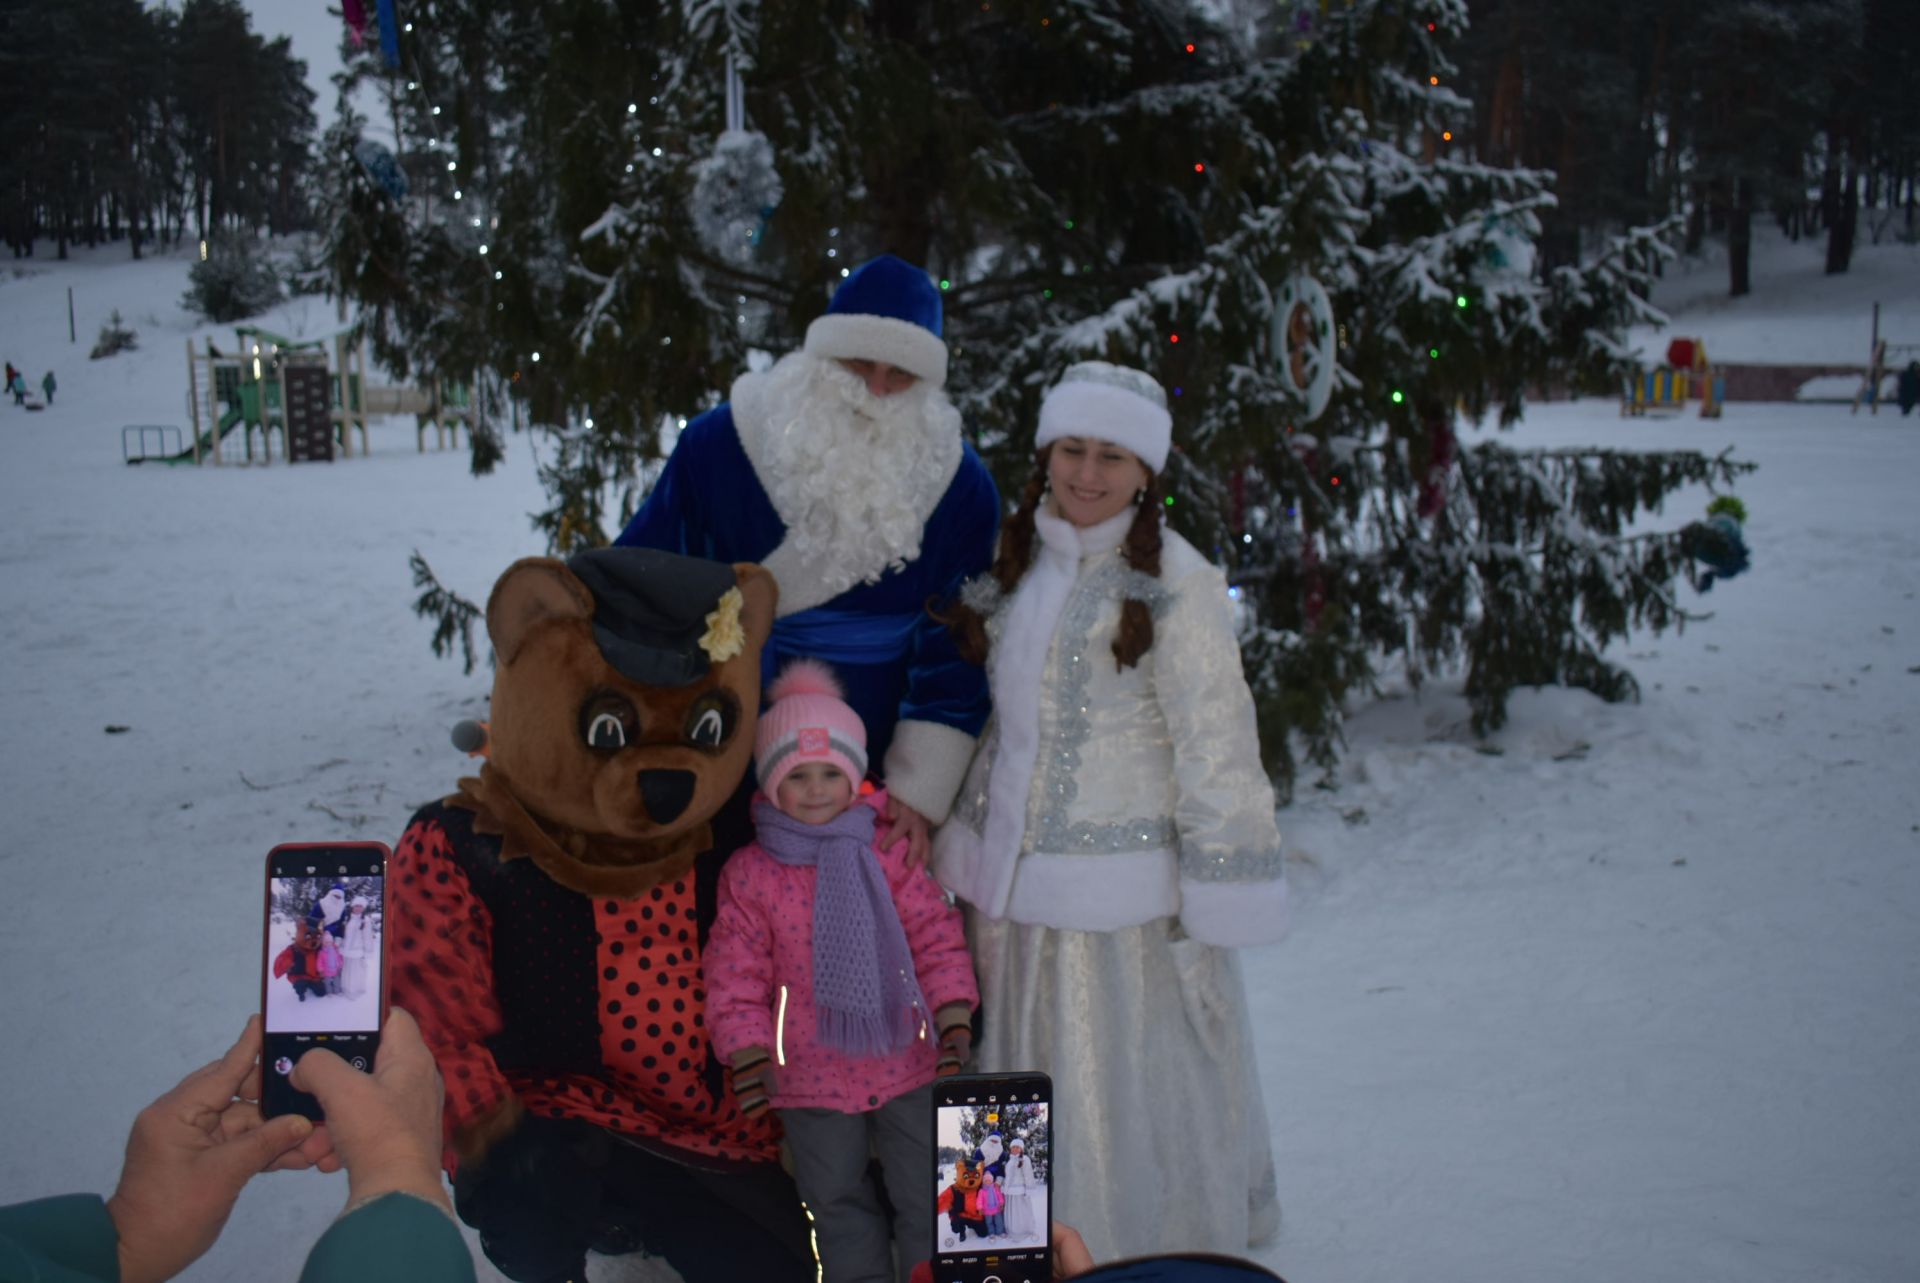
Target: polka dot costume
x=582, y=1008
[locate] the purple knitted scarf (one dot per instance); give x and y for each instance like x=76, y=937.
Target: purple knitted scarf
x=864, y=987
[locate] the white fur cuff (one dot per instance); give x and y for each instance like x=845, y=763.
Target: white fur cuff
x=1094, y=892
x=1232, y=915
x=851, y=336
x=925, y=765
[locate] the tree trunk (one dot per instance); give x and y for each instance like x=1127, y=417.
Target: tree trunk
x=1740, y=240
x=1841, y=222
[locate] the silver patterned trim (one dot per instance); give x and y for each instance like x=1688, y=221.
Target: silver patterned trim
x=1053, y=832
x=1231, y=866
x=1142, y=587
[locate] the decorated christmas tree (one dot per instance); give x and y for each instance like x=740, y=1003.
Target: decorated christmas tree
x=608, y=209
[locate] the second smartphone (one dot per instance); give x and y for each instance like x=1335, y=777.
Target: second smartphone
x=993, y=1150
x=324, y=978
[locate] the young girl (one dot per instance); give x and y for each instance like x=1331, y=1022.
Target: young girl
x=1115, y=838
x=359, y=946
x=838, y=983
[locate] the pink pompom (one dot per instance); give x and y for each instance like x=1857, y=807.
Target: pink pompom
x=805, y=677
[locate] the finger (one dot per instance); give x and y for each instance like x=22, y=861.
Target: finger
x=318, y=1147
x=212, y=1086
x=1070, y=1254
x=255, y=1151
x=249, y=1088
x=239, y=1118
x=318, y=1071
x=401, y=1045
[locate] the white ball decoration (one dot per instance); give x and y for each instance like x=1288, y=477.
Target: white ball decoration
x=734, y=191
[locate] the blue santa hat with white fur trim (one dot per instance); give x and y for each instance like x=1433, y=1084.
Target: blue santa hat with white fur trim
x=1108, y=402
x=886, y=310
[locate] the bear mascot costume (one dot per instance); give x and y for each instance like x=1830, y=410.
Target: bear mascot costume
x=547, y=925
x=960, y=1200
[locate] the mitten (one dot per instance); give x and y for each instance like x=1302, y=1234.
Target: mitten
x=956, y=1038
x=753, y=1080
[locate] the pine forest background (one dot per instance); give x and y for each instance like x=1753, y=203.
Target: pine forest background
x=1482, y=189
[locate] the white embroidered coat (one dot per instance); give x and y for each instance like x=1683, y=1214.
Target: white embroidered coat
x=1100, y=798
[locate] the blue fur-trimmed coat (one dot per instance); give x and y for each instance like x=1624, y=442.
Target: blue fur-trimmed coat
x=923, y=704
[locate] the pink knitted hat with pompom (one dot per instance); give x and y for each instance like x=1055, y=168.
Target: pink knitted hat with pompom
x=808, y=721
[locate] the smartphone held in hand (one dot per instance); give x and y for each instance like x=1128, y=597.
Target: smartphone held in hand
x=992, y=1145
x=323, y=982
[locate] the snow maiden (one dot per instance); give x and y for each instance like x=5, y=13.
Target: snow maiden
x=1115, y=838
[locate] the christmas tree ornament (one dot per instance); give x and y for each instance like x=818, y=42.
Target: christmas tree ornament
x=1506, y=250
x=737, y=188
x=1303, y=341
x=380, y=164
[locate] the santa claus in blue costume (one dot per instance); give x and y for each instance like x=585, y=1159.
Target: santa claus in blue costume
x=842, y=470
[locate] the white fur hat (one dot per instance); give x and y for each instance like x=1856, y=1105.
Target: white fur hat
x=1109, y=402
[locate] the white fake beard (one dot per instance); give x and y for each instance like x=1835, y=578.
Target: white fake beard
x=853, y=476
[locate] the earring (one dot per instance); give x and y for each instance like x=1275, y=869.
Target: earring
x=1139, y=495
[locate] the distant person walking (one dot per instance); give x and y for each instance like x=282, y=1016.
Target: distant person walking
x=1909, y=390
x=19, y=388
x=48, y=384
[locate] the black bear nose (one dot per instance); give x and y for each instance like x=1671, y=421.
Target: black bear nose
x=666, y=793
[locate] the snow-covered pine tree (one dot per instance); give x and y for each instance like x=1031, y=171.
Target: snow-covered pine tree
x=1128, y=179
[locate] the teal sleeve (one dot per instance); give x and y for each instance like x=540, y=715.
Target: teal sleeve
x=69, y=1239
x=397, y=1238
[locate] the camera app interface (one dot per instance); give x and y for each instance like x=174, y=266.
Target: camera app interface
x=990, y=1191
x=323, y=958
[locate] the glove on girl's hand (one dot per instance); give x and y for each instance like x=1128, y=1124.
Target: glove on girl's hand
x=753, y=1080
x=956, y=1039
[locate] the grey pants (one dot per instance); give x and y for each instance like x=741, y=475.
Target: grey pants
x=830, y=1166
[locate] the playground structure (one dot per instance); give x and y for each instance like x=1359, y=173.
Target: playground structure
x=1666, y=389
x=274, y=384
x=1884, y=359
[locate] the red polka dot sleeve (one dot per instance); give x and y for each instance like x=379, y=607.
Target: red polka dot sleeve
x=442, y=950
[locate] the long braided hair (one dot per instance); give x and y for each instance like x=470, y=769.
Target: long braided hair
x=1141, y=548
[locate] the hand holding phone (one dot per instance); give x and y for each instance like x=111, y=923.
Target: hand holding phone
x=189, y=1155
x=384, y=1126
x=323, y=980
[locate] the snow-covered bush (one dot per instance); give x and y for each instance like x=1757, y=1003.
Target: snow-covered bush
x=234, y=281
x=114, y=337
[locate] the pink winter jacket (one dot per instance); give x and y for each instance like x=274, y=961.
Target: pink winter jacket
x=758, y=968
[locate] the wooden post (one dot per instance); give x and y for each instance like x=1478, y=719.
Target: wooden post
x=193, y=402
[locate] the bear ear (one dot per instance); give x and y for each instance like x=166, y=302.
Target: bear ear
x=533, y=590
x=762, y=593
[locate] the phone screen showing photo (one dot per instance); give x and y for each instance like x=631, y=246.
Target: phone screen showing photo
x=324, y=974
x=992, y=1143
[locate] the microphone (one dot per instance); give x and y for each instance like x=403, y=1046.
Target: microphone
x=470, y=737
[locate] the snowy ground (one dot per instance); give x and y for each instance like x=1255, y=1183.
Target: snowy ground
x=1796, y=314
x=1628, y=992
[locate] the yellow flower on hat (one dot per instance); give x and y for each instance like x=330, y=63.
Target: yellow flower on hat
x=724, y=637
